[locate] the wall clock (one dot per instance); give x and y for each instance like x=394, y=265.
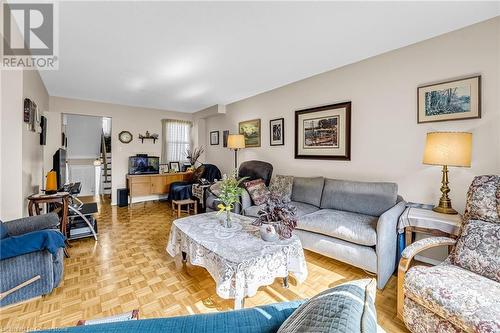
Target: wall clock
x=125, y=136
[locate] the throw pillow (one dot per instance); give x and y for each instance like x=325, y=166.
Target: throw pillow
x=258, y=191
x=215, y=188
x=478, y=249
x=349, y=307
x=282, y=186
x=3, y=231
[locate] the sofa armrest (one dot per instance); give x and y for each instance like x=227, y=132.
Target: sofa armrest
x=32, y=223
x=16, y=270
x=245, y=200
x=387, y=242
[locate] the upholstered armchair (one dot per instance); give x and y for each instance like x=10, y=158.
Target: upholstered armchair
x=252, y=170
x=462, y=294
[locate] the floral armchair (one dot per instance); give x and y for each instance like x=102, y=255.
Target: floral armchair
x=463, y=293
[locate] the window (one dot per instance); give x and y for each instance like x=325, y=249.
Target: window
x=176, y=139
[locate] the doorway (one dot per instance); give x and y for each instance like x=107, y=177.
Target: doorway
x=87, y=140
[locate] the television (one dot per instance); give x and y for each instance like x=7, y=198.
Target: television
x=143, y=165
x=59, y=166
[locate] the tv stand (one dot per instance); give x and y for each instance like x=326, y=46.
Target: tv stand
x=153, y=184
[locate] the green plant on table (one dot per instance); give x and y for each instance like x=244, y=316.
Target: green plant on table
x=229, y=196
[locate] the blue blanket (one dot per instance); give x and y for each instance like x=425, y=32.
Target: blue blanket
x=51, y=240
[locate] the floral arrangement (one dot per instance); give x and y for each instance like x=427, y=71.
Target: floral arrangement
x=229, y=195
x=280, y=214
x=194, y=154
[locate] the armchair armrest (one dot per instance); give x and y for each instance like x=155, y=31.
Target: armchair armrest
x=32, y=223
x=406, y=258
x=386, y=248
x=422, y=245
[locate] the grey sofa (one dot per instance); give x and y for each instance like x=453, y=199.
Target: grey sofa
x=16, y=270
x=354, y=222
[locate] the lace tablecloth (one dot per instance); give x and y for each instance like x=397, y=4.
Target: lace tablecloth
x=238, y=259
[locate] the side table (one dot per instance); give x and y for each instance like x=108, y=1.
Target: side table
x=61, y=199
x=426, y=221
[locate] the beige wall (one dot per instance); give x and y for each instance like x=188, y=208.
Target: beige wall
x=387, y=143
x=133, y=119
x=32, y=168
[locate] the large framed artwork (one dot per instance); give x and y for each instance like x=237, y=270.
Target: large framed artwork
x=324, y=132
x=450, y=100
x=277, y=132
x=251, y=131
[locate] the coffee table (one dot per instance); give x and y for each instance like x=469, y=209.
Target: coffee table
x=237, y=258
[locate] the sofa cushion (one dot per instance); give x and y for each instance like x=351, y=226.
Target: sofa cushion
x=478, y=249
x=352, y=227
x=302, y=209
x=359, y=197
x=420, y=320
x=258, y=191
x=349, y=307
x=466, y=299
x=308, y=190
x=282, y=186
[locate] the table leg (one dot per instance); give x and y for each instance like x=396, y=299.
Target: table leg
x=285, y=282
x=179, y=208
x=30, y=208
x=37, y=209
x=408, y=236
x=195, y=207
x=239, y=303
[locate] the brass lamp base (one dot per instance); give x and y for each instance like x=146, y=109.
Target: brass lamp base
x=444, y=206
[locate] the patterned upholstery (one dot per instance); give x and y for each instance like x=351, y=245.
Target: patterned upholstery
x=462, y=297
x=463, y=293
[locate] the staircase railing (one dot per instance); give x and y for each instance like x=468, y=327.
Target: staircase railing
x=104, y=156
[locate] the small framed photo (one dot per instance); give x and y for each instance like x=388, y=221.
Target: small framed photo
x=225, y=135
x=214, y=138
x=450, y=100
x=174, y=166
x=277, y=132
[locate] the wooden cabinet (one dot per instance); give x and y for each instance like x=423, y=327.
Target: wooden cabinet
x=144, y=185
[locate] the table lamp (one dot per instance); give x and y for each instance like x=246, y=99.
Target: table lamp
x=236, y=142
x=447, y=149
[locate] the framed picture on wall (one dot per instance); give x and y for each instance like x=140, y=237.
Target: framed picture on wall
x=324, y=132
x=214, y=138
x=251, y=131
x=277, y=132
x=225, y=135
x=450, y=100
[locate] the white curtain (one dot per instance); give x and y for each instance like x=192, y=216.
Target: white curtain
x=176, y=138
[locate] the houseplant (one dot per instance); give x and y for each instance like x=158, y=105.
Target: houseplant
x=194, y=154
x=279, y=215
x=229, y=195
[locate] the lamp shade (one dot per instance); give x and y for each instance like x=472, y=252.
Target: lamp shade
x=448, y=148
x=236, y=141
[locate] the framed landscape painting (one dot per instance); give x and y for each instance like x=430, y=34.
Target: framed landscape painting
x=251, y=131
x=324, y=132
x=451, y=100
x=277, y=132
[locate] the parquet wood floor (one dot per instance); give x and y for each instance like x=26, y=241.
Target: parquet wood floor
x=128, y=268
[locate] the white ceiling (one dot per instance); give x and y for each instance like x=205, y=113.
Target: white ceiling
x=187, y=56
